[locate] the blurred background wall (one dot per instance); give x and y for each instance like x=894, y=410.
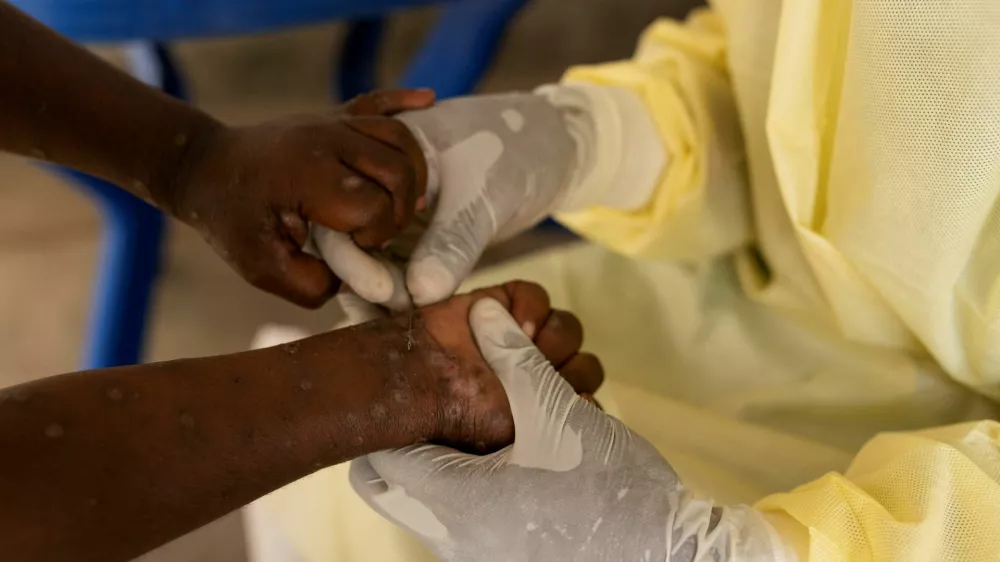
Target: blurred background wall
x=49, y=233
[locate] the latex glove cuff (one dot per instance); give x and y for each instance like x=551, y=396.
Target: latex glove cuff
x=620, y=156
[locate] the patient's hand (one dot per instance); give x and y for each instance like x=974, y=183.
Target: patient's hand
x=475, y=411
x=465, y=405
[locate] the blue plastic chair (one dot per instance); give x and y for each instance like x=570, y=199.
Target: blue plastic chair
x=452, y=60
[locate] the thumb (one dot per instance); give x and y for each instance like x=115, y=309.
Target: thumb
x=368, y=484
x=374, y=279
x=540, y=400
x=393, y=483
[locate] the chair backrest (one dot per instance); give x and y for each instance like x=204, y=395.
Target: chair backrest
x=163, y=20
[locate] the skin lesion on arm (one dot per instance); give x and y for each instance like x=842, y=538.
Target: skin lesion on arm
x=154, y=451
x=105, y=465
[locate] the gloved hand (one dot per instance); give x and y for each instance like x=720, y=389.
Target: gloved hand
x=252, y=192
x=575, y=485
x=498, y=165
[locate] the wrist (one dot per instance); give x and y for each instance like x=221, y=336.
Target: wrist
x=387, y=398
x=178, y=167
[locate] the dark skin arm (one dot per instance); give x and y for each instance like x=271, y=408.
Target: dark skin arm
x=250, y=191
x=112, y=463
x=105, y=465
x=62, y=104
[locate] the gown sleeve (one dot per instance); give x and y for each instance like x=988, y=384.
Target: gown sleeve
x=698, y=207
x=882, y=137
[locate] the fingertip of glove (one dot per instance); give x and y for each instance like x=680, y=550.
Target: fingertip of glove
x=430, y=281
x=367, y=276
x=494, y=328
x=488, y=310
x=375, y=290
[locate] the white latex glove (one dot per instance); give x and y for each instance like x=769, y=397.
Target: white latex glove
x=374, y=278
x=575, y=485
x=500, y=164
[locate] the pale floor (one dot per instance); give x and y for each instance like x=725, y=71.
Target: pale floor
x=49, y=233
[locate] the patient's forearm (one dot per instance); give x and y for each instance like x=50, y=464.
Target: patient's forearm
x=60, y=103
x=105, y=465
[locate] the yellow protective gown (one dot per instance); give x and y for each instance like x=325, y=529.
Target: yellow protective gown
x=856, y=314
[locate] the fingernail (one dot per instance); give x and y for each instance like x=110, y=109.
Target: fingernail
x=529, y=329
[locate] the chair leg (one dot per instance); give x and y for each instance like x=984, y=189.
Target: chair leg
x=126, y=274
x=153, y=64
x=358, y=70
x=461, y=47
x=131, y=244
x=451, y=61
